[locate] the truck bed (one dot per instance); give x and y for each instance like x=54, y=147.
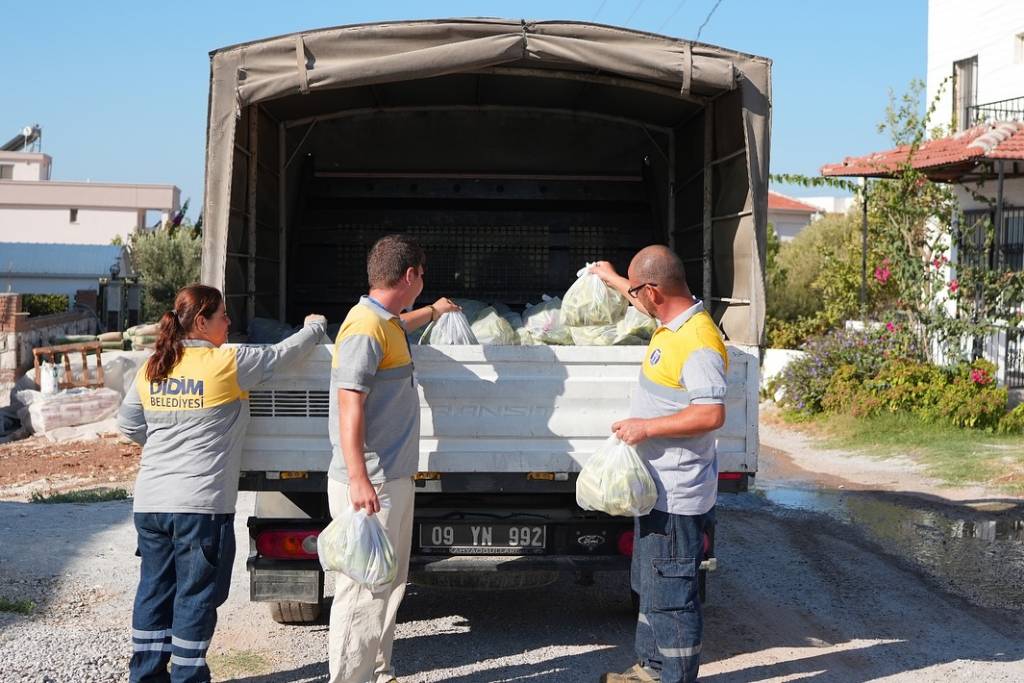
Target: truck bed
x=493, y=409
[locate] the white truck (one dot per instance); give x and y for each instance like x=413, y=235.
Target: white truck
x=515, y=151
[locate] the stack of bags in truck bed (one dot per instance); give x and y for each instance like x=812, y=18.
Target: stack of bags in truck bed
x=142, y=337
x=590, y=314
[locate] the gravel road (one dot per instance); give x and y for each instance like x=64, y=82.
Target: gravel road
x=799, y=595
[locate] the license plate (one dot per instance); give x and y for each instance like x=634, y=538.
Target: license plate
x=483, y=539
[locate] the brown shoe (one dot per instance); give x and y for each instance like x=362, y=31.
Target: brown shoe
x=635, y=674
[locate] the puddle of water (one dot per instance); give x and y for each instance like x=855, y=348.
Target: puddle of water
x=979, y=553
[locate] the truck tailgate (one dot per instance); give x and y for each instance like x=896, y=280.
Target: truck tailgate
x=493, y=409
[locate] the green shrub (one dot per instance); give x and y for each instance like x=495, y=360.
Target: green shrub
x=970, y=398
x=1012, y=422
x=805, y=381
x=842, y=391
x=908, y=386
x=44, y=304
x=166, y=259
x=792, y=334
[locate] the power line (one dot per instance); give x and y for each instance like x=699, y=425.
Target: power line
x=672, y=16
x=599, y=9
x=633, y=13
x=708, y=18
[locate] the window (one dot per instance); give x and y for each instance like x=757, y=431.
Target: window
x=73, y=217
x=965, y=92
x=6, y=171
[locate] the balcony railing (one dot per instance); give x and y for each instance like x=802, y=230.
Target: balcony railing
x=1002, y=110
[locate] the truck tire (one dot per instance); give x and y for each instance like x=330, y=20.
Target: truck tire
x=294, y=612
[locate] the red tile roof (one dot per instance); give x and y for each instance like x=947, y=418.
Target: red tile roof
x=780, y=202
x=946, y=158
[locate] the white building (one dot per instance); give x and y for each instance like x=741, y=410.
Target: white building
x=788, y=215
x=976, y=53
x=35, y=208
x=976, y=70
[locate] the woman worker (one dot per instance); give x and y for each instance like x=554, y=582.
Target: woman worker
x=188, y=407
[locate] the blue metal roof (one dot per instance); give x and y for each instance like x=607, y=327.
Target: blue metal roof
x=89, y=260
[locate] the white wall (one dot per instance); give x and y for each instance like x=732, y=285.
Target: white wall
x=958, y=29
x=830, y=204
x=38, y=224
x=1013, y=192
x=788, y=226
x=27, y=168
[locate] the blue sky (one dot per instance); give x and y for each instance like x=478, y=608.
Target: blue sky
x=120, y=88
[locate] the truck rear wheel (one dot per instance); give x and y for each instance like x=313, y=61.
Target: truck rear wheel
x=294, y=612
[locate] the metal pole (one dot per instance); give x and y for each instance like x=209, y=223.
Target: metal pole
x=998, y=235
x=864, y=250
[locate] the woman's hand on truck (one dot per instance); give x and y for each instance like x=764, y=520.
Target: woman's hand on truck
x=363, y=496
x=314, y=318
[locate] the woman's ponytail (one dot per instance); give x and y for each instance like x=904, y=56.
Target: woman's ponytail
x=169, y=348
x=191, y=302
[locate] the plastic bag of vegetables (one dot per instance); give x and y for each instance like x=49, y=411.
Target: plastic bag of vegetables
x=637, y=324
x=489, y=328
x=594, y=335
x=615, y=481
x=589, y=301
x=356, y=545
x=544, y=324
x=450, y=328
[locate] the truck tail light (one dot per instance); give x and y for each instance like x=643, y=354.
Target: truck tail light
x=731, y=476
x=625, y=543
x=707, y=544
x=287, y=544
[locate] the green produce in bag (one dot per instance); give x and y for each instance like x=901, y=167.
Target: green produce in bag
x=356, y=545
x=589, y=301
x=637, y=324
x=615, y=481
x=544, y=322
x=470, y=307
x=489, y=328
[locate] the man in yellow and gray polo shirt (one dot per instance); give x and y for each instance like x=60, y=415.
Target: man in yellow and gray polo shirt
x=375, y=429
x=675, y=411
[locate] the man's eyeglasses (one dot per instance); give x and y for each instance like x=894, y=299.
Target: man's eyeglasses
x=633, y=291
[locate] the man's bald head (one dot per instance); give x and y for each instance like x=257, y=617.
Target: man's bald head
x=663, y=267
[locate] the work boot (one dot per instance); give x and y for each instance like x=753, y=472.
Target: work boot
x=635, y=674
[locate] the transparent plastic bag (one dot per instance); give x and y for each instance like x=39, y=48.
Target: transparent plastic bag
x=594, y=335
x=490, y=328
x=615, y=481
x=637, y=324
x=544, y=324
x=450, y=329
x=589, y=301
x=356, y=545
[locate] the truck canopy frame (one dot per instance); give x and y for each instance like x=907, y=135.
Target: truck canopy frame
x=704, y=110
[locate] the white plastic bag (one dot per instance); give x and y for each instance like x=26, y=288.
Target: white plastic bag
x=70, y=408
x=49, y=378
x=450, y=328
x=589, y=301
x=637, y=324
x=490, y=328
x=594, y=335
x=616, y=481
x=544, y=322
x=356, y=545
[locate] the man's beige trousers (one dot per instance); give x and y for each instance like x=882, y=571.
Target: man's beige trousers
x=363, y=622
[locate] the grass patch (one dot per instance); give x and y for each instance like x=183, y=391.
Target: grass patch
x=956, y=456
x=85, y=496
x=235, y=663
x=25, y=607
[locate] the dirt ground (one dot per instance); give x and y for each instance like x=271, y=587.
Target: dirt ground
x=36, y=464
